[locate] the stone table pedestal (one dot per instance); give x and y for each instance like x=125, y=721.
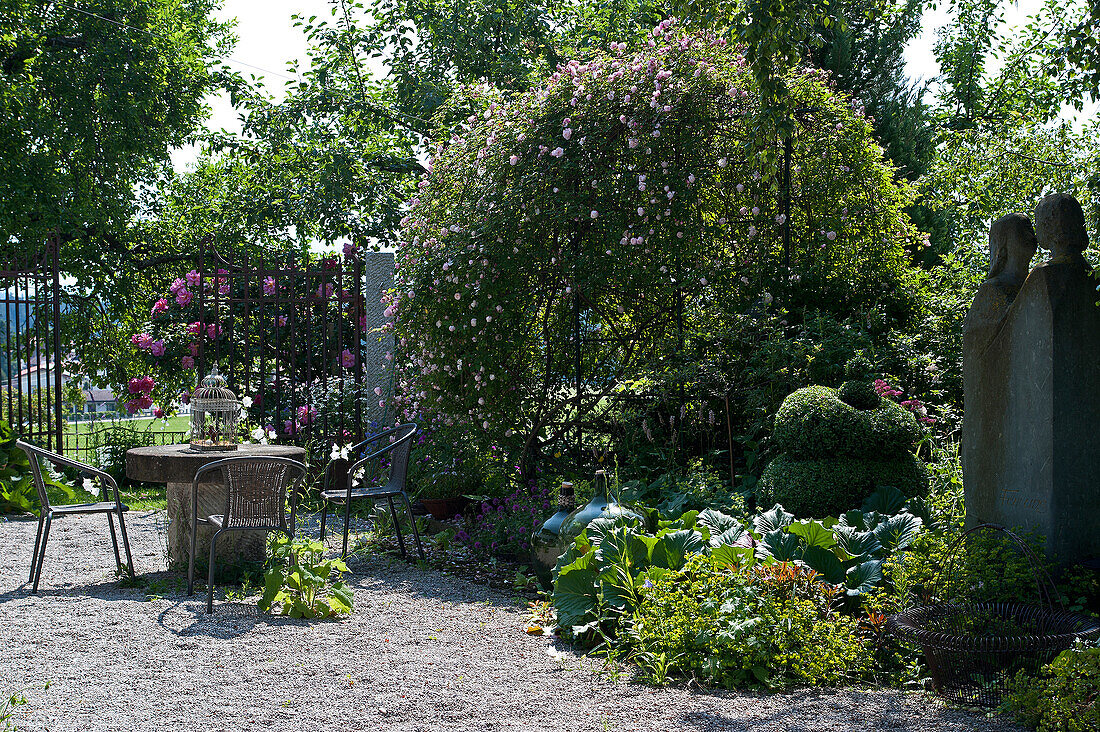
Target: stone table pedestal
x=176, y=466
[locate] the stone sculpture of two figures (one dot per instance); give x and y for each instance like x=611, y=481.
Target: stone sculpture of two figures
x=1031, y=380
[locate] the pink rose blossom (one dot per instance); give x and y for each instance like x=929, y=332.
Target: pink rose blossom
x=269, y=285
x=157, y=348
x=183, y=297
x=347, y=358
x=187, y=362
x=306, y=415
x=160, y=307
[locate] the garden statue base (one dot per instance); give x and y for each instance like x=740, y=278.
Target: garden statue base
x=176, y=466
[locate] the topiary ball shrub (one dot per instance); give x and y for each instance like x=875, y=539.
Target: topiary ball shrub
x=817, y=488
x=835, y=454
x=859, y=394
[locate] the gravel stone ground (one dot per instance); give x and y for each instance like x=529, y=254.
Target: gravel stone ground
x=423, y=651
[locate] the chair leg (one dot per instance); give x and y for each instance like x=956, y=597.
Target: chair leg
x=37, y=543
x=396, y=526
x=191, y=558
x=347, y=528
x=42, y=554
x=412, y=522
x=126, y=546
x=324, y=517
x=210, y=575
x=114, y=540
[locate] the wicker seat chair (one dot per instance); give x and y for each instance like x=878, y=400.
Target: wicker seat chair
x=256, y=498
x=398, y=454
x=50, y=512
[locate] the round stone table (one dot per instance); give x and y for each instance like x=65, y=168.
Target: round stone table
x=176, y=465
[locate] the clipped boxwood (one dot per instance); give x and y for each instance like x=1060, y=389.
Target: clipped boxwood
x=831, y=487
x=814, y=423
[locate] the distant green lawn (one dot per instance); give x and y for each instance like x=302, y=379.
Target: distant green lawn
x=138, y=496
x=172, y=424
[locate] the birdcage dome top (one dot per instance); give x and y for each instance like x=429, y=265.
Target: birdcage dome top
x=213, y=388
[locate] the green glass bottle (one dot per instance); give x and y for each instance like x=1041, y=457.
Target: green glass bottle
x=602, y=505
x=546, y=544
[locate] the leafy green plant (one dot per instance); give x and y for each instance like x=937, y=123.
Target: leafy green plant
x=1062, y=697
x=7, y=709
x=766, y=625
x=835, y=454
x=697, y=488
x=109, y=445
x=303, y=583
x=597, y=579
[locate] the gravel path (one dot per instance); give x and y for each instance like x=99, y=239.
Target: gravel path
x=423, y=651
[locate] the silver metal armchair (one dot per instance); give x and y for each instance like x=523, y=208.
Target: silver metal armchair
x=398, y=453
x=49, y=512
x=256, y=498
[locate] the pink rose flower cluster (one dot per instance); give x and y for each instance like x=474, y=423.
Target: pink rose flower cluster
x=145, y=342
x=303, y=418
x=141, y=388
x=916, y=406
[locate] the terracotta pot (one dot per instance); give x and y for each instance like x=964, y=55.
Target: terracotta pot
x=442, y=509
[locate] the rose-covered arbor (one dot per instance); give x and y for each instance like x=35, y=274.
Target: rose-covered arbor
x=570, y=242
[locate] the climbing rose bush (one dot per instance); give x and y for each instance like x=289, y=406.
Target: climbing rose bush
x=248, y=323
x=621, y=195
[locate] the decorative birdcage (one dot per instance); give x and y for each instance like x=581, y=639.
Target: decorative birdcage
x=215, y=412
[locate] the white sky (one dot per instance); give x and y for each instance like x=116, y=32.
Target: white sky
x=267, y=40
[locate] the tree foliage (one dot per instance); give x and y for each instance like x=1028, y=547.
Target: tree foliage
x=91, y=102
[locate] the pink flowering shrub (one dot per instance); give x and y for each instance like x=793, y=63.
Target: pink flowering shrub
x=622, y=191
x=180, y=334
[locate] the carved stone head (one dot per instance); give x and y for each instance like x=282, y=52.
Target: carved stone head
x=1012, y=244
x=1061, y=226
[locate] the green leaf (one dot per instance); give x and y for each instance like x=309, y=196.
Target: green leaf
x=773, y=519
x=886, y=500
x=575, y=591
x=617, y=587
x=825, y=563
x=781, y=546
x=864, y=577
x=733, y=556
x=724, y=530
x=898, y=532
x=671, y=549
x=342, y=599
x=856, y=543
x=623, y=545
x=813, y=534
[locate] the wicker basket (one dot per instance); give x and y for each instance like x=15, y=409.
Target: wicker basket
x=974, y=649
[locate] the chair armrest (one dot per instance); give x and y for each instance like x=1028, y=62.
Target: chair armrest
x=358, y=464
x=33, y=451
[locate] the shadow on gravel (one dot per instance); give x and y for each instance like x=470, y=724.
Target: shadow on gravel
x=229, y=619
x=112, y=590
x=391, y=573
x=819, y=710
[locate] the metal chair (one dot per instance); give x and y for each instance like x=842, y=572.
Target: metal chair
x=50, y=512
x=255, y=500
x=398, y=452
